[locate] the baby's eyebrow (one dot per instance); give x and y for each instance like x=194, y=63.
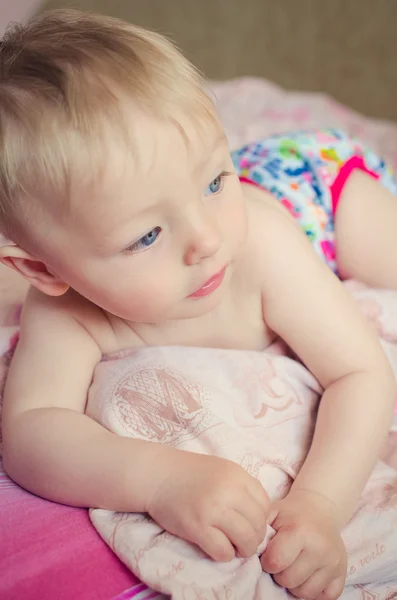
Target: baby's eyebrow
x=220, y=141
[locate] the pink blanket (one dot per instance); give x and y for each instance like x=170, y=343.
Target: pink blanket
x=257, y=409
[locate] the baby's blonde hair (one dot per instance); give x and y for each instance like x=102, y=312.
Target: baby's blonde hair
x=63, y=79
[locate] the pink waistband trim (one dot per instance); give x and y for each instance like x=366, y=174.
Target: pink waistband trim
x=336, y=189
x=245, y=180
x=355, y=162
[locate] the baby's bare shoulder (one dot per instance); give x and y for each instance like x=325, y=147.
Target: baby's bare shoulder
x=270, y=227
x=67, y=311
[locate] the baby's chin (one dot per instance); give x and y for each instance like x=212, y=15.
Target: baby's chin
x=199, y=307
x=191, y=309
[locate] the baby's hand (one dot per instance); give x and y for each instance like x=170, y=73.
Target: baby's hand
x=307, y=555
x=213, y=503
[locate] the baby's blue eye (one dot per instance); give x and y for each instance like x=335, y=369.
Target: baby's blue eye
x=215, y=186
x=149, y=238
x=145, y=241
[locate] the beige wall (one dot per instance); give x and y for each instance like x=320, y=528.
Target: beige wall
x=347, y=48
x=16, y=10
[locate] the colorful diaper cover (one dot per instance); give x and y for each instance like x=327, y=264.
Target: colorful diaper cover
x=306, y=171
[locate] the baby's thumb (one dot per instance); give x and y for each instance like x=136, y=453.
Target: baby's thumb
x=273, y=514
x=269, y=535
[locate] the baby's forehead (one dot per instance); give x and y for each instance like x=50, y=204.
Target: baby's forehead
x=160, y=152
x=168, y=143
x=150, y=156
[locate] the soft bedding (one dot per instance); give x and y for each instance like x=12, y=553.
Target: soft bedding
x=257, y=409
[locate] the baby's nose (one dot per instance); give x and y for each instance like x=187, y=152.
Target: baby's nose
x=203, y=242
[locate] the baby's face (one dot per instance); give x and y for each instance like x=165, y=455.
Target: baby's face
x=153, y=239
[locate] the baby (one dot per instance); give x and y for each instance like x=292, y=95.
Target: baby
x=135, y=226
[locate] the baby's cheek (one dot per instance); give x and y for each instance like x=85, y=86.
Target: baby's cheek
x=159, y=291
x=239, y=221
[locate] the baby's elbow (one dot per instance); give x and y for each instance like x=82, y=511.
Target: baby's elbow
x=9, y=460
x=9, y=452
x=15, y=450
x=386, y=374
x=385, y=382
x=391, y=383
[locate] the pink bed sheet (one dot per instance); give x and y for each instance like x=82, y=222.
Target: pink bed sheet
x=49, y=551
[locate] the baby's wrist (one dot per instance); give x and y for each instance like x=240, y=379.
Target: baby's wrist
x=321, y=501
x=161, y=468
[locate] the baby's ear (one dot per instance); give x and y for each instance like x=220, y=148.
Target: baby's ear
x=33, y=270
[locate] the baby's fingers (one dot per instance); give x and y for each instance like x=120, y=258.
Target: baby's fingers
x=215, y=543
x=240, y=533
x=253, y=515
x=334, y=589
x=281, y=552
x=297, y=573
x=259, y=495
x=320, y=586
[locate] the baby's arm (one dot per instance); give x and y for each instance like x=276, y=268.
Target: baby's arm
x=309, y=308
x=50, y=446
x=54, y=450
